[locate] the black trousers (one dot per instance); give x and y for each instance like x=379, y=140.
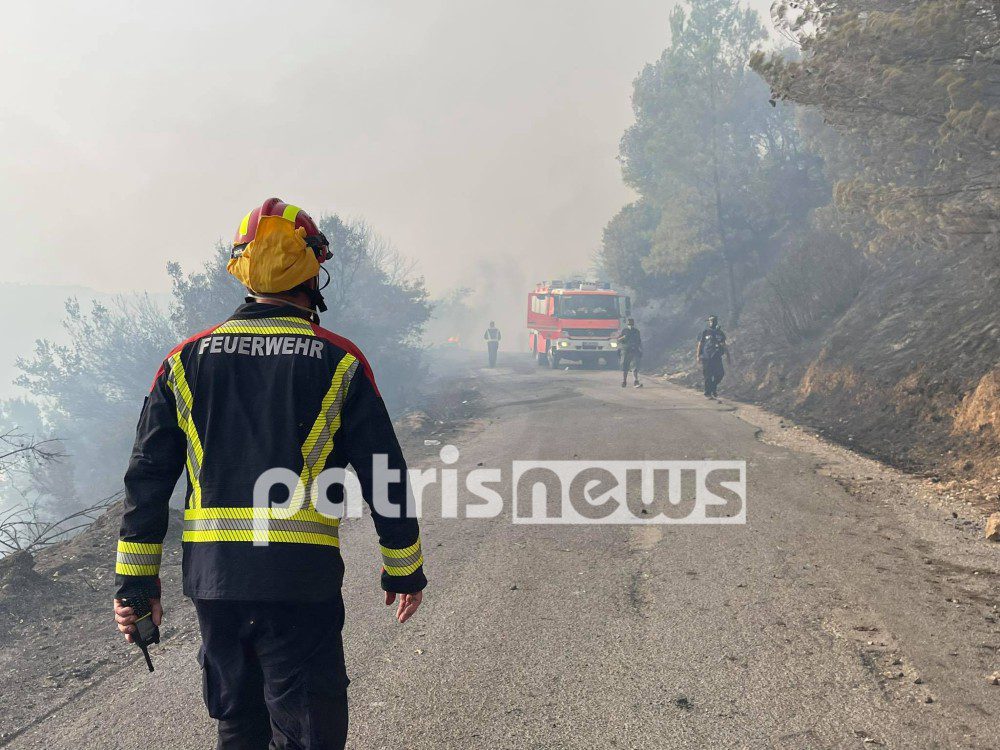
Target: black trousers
x=630, y=361
x=713, y=372
x=273, y=673
x=492, y=346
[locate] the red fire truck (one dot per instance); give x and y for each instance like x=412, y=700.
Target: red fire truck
x=576, y=320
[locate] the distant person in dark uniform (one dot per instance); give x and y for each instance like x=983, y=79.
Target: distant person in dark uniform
x=630, y=345
x=711, y=348
x=492, y=337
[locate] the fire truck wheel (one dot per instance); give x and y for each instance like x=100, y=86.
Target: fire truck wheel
x=553, y=360
x=541, y=359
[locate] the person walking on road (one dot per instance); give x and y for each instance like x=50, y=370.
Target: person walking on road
x=711, y=348
x=492, y=337
x=630, y=346
x=267, y=398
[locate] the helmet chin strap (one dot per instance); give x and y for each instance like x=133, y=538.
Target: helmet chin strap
x=316, y=297
x=314, y=293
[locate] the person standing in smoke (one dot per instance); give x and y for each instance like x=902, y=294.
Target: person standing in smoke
x=492, y=337
x=711, y=348
x=630, y=345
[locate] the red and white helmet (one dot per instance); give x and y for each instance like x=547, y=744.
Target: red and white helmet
x=277, y=207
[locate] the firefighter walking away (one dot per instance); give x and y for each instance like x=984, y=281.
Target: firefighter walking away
x=267, y=389
x=492, y=337
x=711, y=348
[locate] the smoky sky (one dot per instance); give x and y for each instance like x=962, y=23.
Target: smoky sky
x=471, y=134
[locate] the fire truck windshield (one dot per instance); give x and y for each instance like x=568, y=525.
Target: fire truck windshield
x=592, y=306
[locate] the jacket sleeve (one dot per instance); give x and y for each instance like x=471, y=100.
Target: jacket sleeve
x=156, y=463
x=368, y=432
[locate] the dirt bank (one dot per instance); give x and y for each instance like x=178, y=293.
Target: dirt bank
x=909, y=373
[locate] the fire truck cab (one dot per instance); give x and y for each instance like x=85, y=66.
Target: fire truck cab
x=577, y=321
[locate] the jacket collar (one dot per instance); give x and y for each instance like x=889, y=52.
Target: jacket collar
x=252, y=309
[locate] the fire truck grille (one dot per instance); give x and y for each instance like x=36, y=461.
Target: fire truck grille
x=589, y=332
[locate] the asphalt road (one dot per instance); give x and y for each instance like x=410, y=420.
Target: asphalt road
x=831, y=619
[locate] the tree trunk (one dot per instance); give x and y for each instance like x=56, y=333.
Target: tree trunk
x=734, y=305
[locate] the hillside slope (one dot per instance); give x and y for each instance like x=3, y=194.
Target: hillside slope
x=909, y=373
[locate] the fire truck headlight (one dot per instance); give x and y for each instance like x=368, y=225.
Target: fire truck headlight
x=614, y=344
x=563, y=344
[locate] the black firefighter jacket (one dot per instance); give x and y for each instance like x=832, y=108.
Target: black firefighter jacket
x=265, y=391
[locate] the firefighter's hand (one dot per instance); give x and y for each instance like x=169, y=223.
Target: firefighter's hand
x=126, y=618
x=408, y=604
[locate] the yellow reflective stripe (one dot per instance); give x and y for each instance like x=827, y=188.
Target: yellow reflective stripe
x=290, y=212
x=138, y=558
x=405, y=552
x=275, y=319
x=141, y=548
x=237, y=525
x=237, y=328
x=245, y=225
x=267, y=326
x=305, y=514
x=402, y=562
x=177, y=380
x=319, y=443
x=250, y=535
x=405, y=571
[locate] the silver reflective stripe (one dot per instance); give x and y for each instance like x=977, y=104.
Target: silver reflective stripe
x=402, y=562
x=250, y=524
x=136, y=558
